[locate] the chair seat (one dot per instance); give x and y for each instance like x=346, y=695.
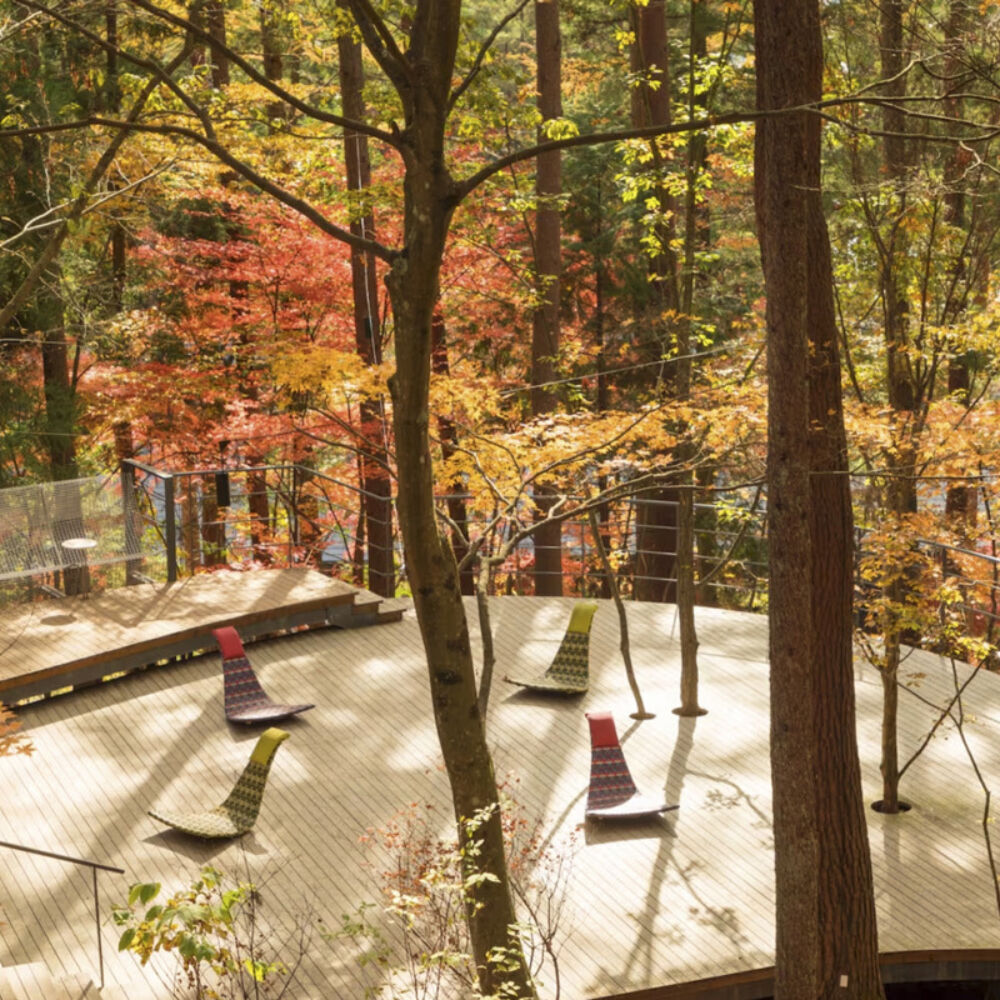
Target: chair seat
x=633, y=807
x=246, y=701
x=548, y=682
x=569, y=672
x=237, y=814
x=265, y=712
x=611, y=793
x=214, y=823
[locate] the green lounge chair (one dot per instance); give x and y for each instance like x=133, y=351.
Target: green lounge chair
x=237, y=814
x=570, y=670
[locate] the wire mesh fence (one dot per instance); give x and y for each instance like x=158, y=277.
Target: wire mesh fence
x=49, y=530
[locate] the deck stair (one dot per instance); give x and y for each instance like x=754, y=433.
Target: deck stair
x=52, y=646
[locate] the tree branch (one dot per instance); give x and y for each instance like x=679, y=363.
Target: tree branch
x=198, y=33
x=380, y=43
x=52, y=248
x=223, y=155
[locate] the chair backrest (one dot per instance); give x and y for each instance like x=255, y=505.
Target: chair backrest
x=243, y=802
x=242, y=690
x=230, y=644
x=610, y=779
x=572, y=660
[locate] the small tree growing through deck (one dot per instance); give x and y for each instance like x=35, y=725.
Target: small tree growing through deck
x=415, y=942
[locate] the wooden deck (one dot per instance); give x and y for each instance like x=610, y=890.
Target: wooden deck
x=52, y=644
x=650, y=905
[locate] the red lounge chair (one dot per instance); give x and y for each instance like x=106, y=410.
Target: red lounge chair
x=612, y=793
x=246, y=700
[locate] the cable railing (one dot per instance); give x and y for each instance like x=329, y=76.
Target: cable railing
x=95, y=867
x=292, y=515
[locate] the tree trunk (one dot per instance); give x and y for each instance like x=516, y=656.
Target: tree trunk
x=259, y=511
x=376, y=499
x=215, y=18
x=826, y=942
x=684, y=563
x=650, y=63
x=455, y=502
x=112, y=99
x=548, y=269
x=413, y=282
x=270, y=39
x=961, y=503
x=624, y=644
x=213, y=525
x=901, y=492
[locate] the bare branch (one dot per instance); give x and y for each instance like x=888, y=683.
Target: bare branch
x=50, y=216
x=55, y=243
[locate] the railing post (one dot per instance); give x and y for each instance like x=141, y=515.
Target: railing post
x=97, y=926
x=170, y=526
x=130, y=517
x=94, y=867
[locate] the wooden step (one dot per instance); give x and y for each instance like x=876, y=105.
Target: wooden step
x=370, y=609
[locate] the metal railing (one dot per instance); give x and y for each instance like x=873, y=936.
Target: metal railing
x=639, y=531
x=280, y=514
x=94, y=867
x=182, y=512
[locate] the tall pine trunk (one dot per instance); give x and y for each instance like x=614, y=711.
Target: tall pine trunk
x=826, y=943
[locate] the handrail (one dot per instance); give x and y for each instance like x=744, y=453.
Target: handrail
x=94, y=867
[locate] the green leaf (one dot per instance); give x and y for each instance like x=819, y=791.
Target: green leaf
x=146, y=891
x=126, y=939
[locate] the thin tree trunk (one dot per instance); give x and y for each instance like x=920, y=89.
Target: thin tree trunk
x=213, y=528
x=260, y=512
x=961, y=502
x=694, y=161
x=372, y=453
x=901, y=493
x=455, y=502
x=548, y=268
x=413, y=282
x=215, y=18
x=486, y=634
x=626, y=649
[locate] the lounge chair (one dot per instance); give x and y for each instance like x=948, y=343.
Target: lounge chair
x=612, y=793
x=238, y=813
x=570, y=670
x=246, y=701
